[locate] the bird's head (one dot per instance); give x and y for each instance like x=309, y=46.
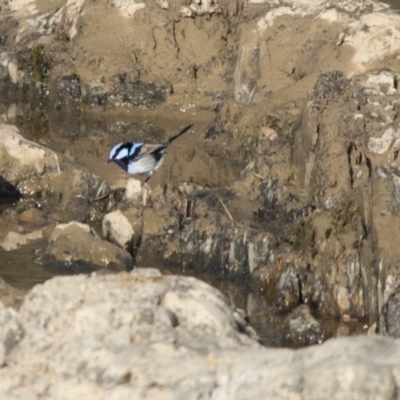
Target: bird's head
x=123, y=153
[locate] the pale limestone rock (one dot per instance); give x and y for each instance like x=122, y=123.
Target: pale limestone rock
x=14, y=240
x=384, y=143
x=134, y=190
x=113, y=337
x=117, y=228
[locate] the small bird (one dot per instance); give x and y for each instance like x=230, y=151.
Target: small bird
x=139, y=158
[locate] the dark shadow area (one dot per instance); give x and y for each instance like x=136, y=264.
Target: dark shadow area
x=9, y=194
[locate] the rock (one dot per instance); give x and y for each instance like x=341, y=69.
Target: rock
x=40, y=173
x=334, y=165
x=391, y=315
x=381, y=82
x=32, y=218
x=124, y=228
x=134, y=191
x=126, y=8
x=130, y=312
x=246, y=73
x=60, y=228
x=143, y=335
x=200, y=8
x=388, y=139
x=303, y=329
x=68, y=88
x=74, y=249
x=287, y=290
x=140, y=94
x=14, y=240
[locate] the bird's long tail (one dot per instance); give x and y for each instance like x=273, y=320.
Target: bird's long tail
x=181, y=132
x=159, y=151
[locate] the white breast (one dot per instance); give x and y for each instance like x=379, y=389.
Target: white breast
x=144, y=165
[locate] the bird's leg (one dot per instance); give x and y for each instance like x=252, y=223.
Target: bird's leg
x=145, y=189
x=144, y=194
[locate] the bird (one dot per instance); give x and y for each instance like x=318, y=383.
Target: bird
x=139, y=158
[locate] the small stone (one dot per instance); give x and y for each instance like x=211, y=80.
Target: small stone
x=124, y=228
x=133, y=191
x=32, y=218
x=76, y=250
x=303, y=328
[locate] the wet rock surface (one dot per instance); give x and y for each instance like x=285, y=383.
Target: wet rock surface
x=76, y=247
x=41, y=174
x=303, y=328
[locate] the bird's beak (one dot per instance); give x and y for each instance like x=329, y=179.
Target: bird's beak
x=108, y=161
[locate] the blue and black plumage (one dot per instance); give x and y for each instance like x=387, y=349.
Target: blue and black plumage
x=140, y=158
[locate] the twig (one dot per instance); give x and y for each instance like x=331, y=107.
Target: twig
x=101, y=197
x=224, y=206
x=258, y=176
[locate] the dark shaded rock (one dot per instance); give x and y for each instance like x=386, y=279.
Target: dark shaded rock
x=160, y=235
x=72, y=247
x=330, y=153
x=287, y=289
x=280, y=283
x=9, y=194
x=391, y=315
x=97, y=96
x=140, y=94
x=302, y=328
x=67, y=88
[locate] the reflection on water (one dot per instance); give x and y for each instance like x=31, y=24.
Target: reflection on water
x=263, y=316
x=19, y=269
x=87, y=138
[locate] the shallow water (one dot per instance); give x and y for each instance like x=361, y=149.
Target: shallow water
x=88, y=139
x=19, y=269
